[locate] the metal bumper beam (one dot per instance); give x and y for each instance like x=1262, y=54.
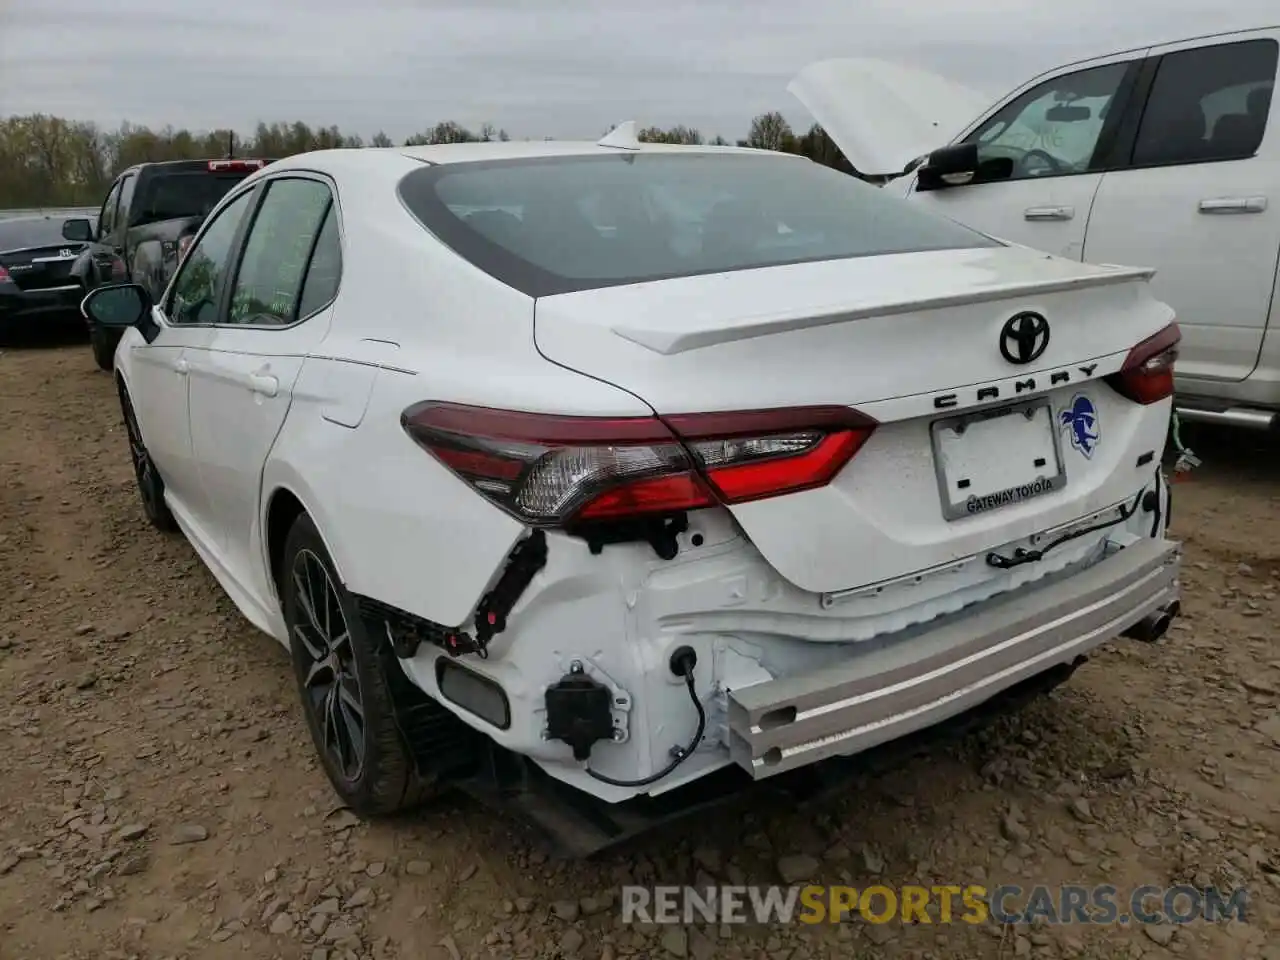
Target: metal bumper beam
x=901, y=687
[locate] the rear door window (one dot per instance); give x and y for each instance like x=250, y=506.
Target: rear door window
x=1208, y=103
x=325, y=270
x=269, y=283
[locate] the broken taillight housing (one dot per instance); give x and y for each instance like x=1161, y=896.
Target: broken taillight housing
x=1147, y=374
x=550, y=470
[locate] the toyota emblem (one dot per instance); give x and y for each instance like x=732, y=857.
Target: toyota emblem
x=1024, y=337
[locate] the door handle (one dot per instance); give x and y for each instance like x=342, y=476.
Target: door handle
x=1234, y=205
x=264, y=385
x=1048, y=213
x=181, y=367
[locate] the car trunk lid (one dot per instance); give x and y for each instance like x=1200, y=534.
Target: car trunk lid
x=912, y=340
x=43, y=267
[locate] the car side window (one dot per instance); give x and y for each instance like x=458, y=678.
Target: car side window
x=269, y=284
x=325, y=269
x=1209, y=103
x=107, y=216
x=1053, y=128
x=200, y=279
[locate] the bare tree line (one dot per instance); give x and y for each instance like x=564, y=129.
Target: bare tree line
x=48, y=161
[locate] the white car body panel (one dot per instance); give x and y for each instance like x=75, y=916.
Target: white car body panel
x=769, y=591
x=813, y=333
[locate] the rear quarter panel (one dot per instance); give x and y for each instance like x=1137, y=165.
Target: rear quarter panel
x=401, y=527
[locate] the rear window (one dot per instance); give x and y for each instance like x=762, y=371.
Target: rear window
x=173, y=196
x=30, y=232
x=556, y=225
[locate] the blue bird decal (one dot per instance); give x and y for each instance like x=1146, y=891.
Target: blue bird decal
x=1080, y=421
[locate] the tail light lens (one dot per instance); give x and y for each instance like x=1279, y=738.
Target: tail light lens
x=183, y=244
x=555, y=470
x=4, y=275
x=1147, y=374
x=118, y=268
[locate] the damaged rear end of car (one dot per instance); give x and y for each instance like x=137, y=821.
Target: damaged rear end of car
x=881, y=469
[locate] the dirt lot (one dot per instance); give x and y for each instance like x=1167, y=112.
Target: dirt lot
x=160, y=799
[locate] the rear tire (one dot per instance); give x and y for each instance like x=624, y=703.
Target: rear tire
x=103, y=346
x=346, y=698
x=150, y=483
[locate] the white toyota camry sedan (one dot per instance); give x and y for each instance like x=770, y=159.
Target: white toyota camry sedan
x=609, y=466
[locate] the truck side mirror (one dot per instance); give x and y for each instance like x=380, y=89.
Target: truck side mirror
x=960, y=164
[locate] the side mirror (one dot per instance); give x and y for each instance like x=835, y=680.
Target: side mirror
x=77, y=230
x=117, y=305
x=960, y=164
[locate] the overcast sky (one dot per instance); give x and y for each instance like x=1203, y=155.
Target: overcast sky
x=560, y=68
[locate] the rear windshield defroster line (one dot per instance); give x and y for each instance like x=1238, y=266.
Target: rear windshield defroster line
x=552, y=225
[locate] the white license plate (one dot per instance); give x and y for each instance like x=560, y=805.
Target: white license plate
x=996, y=458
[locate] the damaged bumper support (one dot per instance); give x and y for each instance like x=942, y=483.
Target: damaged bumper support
x=930, y=676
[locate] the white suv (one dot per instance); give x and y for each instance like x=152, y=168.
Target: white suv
x=1165, y=156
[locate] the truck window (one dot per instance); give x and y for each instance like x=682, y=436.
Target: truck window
x=1210, y=103
x=1054, y=127
x=176, y=196
x=127, y=187
x=107, y=216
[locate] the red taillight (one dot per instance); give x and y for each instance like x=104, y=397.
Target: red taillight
x=4, y=275
x=552, y=470
x=1147, y=374
x=118, y=268
x=231, y=166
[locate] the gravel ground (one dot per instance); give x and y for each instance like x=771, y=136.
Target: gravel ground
x=160, y=798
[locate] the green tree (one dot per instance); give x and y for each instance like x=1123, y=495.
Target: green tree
x=48, y=161
x=770, y=131
x=677, y=134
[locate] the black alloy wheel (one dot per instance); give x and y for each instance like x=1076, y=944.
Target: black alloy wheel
x=150, y=483
x=330, y=681
x=342, y=673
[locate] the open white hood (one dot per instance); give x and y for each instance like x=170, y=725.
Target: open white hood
x=883, y=115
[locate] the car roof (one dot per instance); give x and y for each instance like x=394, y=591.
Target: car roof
x=402, y=159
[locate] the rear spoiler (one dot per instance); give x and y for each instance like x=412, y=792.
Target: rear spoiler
x=672, y=340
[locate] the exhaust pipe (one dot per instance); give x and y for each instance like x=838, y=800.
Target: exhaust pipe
x=1246, y=417
x=1155, y=625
